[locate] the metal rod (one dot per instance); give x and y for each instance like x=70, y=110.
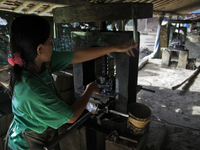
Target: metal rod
x=71, y=128
x=119, y=113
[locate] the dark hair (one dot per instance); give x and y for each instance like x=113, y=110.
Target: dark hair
x=26, y=33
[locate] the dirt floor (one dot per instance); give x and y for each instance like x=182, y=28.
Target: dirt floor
x=175, y=110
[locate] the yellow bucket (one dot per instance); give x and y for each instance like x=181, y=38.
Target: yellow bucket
x=139, y=117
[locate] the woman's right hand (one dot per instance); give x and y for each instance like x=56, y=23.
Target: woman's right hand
x=127, y=47
x=93, y=87
x=80, y=105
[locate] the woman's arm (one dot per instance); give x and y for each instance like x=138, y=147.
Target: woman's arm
x=80, y=105
x=90, y=53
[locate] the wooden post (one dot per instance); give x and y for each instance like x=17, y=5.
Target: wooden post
x=134, y=17
x=132, y=90
x=54, y=30
x=157, y=42
x=168, y=29
x=146, y=25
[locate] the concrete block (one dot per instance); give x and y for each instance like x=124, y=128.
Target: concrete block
x=182, y=59
x=166, y=57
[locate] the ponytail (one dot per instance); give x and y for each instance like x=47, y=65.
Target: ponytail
x=26, y=33
x=15, y=77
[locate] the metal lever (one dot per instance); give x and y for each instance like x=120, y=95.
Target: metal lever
x=71, y=128
x=113, y=111
x=119, y=113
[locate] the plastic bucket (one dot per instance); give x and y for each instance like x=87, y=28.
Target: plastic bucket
x=139, y=117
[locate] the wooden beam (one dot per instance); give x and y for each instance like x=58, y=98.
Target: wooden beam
x=171, y=13
x=47, y=10
x=189, y=8
x=62, y=2
x=148, y=1
x=102, y=12
x=142, y=1
x=174, y=5
x=180, y=21
x=167, y=13
x=32, y=9
x=19, y=8
x=160, y=3
x=6, y=10
x=9, y=16
x=2, y=1
x=164, y=4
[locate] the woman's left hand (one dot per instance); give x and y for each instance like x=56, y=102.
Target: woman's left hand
x=127, y=47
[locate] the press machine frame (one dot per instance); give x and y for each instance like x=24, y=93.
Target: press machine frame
x=126, y=68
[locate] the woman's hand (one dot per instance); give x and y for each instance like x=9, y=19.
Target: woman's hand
x=80, y=104
x=92, y=87
x=127, y=47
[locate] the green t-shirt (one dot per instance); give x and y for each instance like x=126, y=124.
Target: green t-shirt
x=35, y=105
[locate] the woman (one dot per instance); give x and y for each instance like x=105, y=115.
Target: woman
x=37, y=109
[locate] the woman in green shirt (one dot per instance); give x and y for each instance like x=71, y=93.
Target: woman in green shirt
x=37, y=109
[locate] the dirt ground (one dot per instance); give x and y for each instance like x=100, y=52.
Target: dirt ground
x=178, y=111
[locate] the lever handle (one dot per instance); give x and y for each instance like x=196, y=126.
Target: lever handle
x=119, y=113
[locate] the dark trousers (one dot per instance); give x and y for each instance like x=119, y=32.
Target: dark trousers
x=37, y=141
